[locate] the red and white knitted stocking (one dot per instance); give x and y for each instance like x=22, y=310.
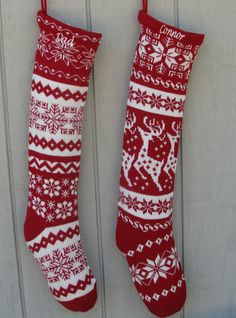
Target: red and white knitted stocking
x=163, y=62
x=63, y=61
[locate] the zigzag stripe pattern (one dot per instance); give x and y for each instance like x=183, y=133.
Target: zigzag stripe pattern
x=54, y=167
x=72, y=289
x=57, y=93
x=52, y=144
x=53, y=238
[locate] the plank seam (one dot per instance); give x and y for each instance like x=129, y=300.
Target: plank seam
x=96, y=175
x=10, y=169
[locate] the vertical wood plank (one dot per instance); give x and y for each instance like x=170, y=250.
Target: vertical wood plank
x=11, y=306
x=209, y=162
x=117, y=20
x=20, y=35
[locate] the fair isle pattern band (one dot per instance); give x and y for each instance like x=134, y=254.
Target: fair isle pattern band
x=56, y=117
x=147, y=207
x=157, y=102
x=57, y=73
x=50, y=235
x=58, y=91
x=81, y=288
x=164, y=293
x=159, y=82
x=53, y=166
x=149, y=244
x=54, y=146
x=151, y=269
x=64, y=264
x=136, y=224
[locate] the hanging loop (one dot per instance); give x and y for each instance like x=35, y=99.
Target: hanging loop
x=44, y=6
x=145, y=5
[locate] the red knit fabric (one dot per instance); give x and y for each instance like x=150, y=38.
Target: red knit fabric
x=163, y=61
x=63, y=62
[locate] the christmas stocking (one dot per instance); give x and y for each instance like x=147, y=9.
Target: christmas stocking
x=63, y=61
x=163, y=61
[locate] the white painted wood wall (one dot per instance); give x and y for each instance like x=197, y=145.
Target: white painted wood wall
x=205, y=197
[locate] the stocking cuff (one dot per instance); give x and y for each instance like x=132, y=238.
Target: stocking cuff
x=53, y=24
x=64, y=53
x=169, y=30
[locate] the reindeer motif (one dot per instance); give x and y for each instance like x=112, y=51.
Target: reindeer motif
x=150, y=165
x=127, y=159
x=171, y=162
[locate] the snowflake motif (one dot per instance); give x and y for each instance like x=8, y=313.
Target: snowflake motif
x=71, y=250
x=51, y=205
x=161, y=69
x=77, y=121
x=89, y=57
x=63, y=51
x=32, y=180
x=74, y=186
x=132, y=203
x=122, y=198
x=168, y=41
x=42, y=43
x=141, y=97
x=176, y=261
x=131, y=93
x=163, y=55
x=44, y=263
x=181, y=106
x=39, y=179
x=163, y=206
x=39, y=206
x=80, y=256
x=136, y=274
x=49, y=217
x=65, y=182
x=154, y=269
x=155, y=52
x=54, y=118
x=30, y=194
x=76, y=252
x=155, y=101
x=59, y=264
x=38, y=190
x=75, y=202
x=33, y=112
x=76, y=213
x=148, y=207
x=64, y=210
x=51, y=187
x=170, y=104
x=65, y=193
x=32, y=103
x=170, y=56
